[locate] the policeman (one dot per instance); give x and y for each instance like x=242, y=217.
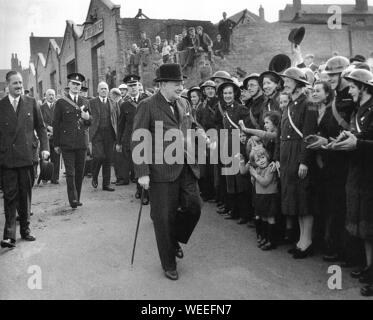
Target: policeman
x=71, y=121
x=127, y=113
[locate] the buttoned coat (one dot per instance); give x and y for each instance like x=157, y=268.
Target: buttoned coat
x=96, y=109
x=157, y=109
x=70, y=131
x=359, y=219
x=17, y=132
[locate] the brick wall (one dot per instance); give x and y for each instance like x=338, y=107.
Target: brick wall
x=255, y=45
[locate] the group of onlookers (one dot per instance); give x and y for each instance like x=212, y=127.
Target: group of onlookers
x=305, y=177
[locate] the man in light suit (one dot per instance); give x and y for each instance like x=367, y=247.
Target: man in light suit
x=170, y=185
x=102, y=136
x=47, y=109
x=19, y=117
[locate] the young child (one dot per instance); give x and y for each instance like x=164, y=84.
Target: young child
x=266, y=197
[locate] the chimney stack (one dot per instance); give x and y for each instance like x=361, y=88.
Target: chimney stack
x=361, y=5
x=261, y=13
x=297, y=6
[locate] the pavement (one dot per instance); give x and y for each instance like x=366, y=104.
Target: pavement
x=86, y=253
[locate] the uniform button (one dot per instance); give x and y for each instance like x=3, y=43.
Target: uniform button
x=288, y=137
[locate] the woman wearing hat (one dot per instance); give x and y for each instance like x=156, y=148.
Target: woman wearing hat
x=206, y=116
x=299, y=120
x=230, y=113
x=271, y=83
x=359, y=219
x=255, y=102
x=195, y=98
x=329, y=175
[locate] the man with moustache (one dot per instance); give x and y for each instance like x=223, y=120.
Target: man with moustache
x=47, y=109
x=102, y=136
x=20, y=116
x=125, y=125
x=70, y=131
x=171, y=185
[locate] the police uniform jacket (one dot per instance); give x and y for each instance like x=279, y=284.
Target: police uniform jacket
x=125, y=124
x=70, y=131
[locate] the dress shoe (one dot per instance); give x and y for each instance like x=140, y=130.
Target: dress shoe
x=242, y=221
x=79, y=204
x=268, y=246
x=8, y=243
x=74, y=204
x=179, y=253
x=121, y=183
x=302, y=254
x=94, y=183
x=293, y=250
x=28, y=238
x=230, y=217
x=331, y=257
x=108, y=189
x=172, y=275
x=145, y=201
x=367, y=291
x=138, y=194
x=223, y=210
x=356, y=274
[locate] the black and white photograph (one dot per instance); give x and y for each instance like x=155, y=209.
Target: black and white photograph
x=186, y=155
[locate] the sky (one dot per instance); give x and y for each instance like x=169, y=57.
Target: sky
x=18, y=18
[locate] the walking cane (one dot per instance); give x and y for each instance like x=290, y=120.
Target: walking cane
x=137, y=228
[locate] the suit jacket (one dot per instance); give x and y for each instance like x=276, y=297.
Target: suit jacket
x=17, y=132
x=96, y=109
x=70, y=131
x=48, y=115
x=125, y=124
x=153, y=109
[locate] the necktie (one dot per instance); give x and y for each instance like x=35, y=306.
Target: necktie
x=75, y=99
x=15, y=105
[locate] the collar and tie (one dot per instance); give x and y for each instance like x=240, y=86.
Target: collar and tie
x=15, y=104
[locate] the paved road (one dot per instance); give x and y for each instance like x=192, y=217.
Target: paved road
x=85, y=254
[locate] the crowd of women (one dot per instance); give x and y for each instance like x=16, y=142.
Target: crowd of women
x=306, y=174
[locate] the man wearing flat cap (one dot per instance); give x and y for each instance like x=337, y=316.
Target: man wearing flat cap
x=70, y=128
x=171, y=185
x=125, y=128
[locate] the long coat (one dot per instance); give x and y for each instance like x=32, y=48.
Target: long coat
x=235, y=183
x=70, y=131
x=156, y=109
x=359, y=220
x=296, y=193
x=17, y=132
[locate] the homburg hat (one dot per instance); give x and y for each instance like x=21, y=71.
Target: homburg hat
x=169, y=72
x=296, y=35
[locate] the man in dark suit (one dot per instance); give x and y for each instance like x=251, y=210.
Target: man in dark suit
x=125, y=126
x=47, y=109
x=102, y=136
x=172, y=184
x=70, y=131
x=19, y=117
